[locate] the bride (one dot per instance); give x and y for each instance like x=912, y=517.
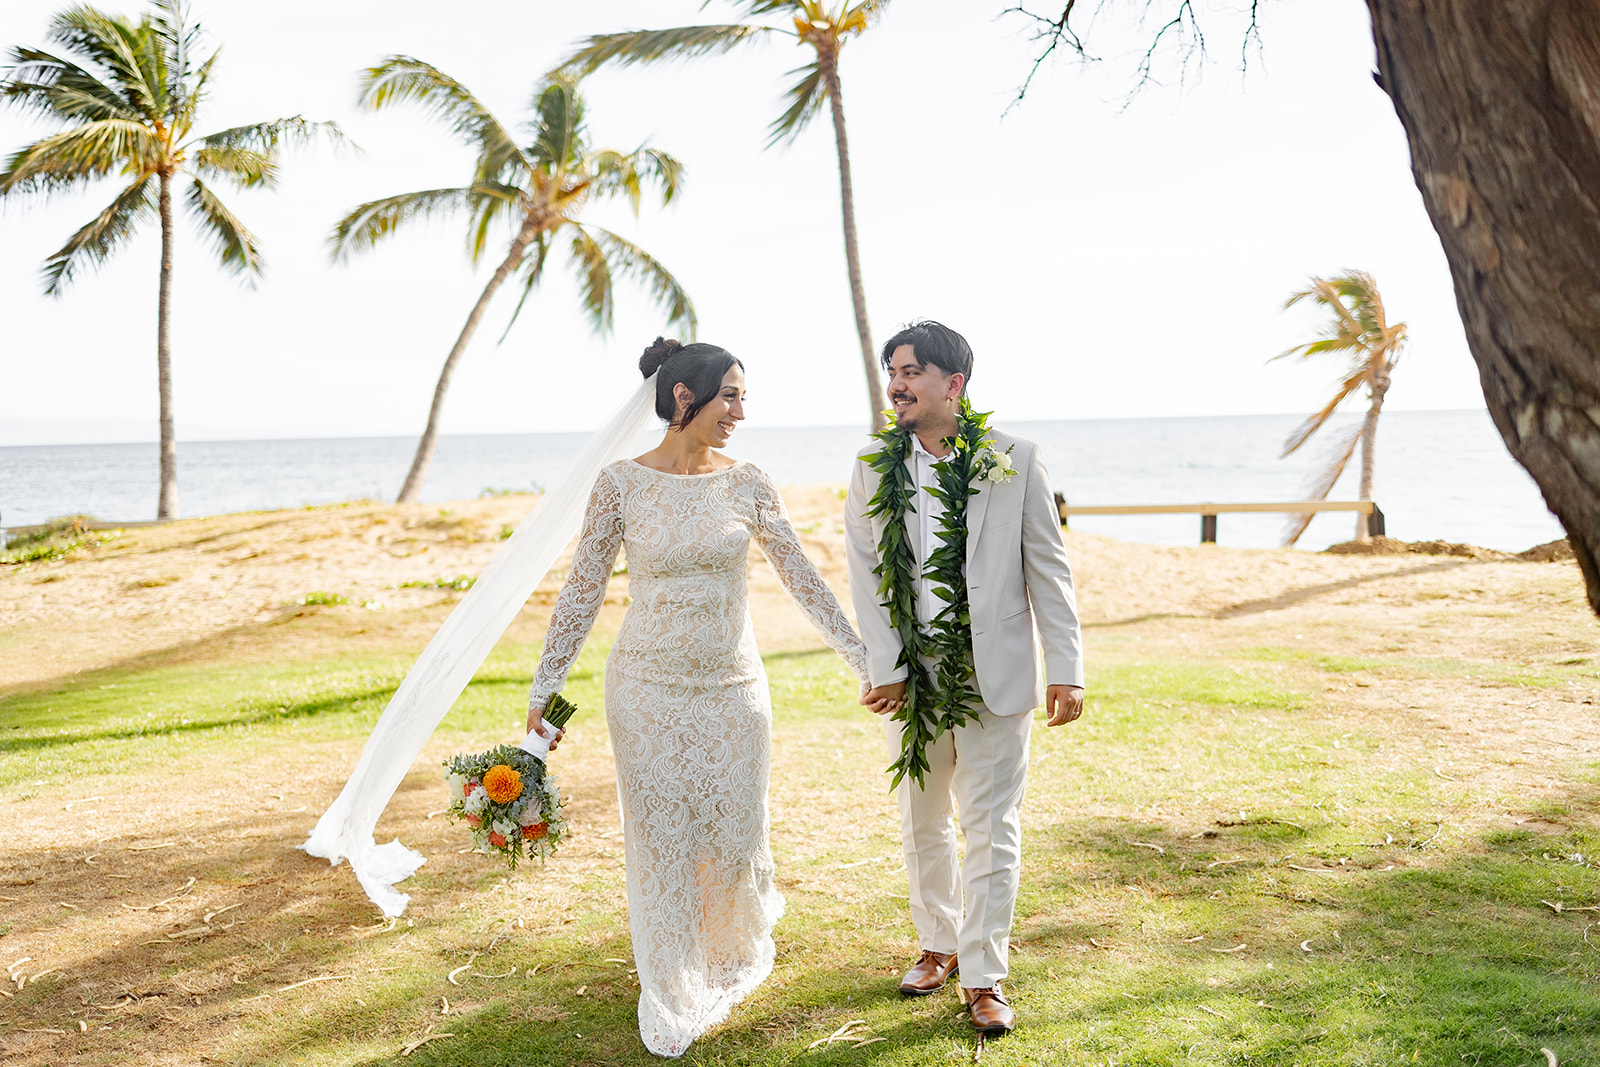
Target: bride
x=686, y=697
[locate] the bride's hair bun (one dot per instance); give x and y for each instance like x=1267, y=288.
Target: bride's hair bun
x=657, y=354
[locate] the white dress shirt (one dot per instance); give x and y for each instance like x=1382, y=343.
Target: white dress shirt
x=930, y=510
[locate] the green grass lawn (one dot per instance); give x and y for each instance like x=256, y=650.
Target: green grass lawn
x=1219, y=870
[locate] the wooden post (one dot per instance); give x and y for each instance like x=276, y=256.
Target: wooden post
x=1061, y=510
x=1375, y=522
x=1208, y=529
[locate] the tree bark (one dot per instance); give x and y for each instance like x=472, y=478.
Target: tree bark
x=1501, y=105
x=852, y=254
x=430, y=435
x=167, y=505
x=1369, y=444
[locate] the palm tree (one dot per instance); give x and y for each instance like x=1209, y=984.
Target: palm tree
x=540, y=190
x=128, y=94
x=825, y=32
x=1361, y=331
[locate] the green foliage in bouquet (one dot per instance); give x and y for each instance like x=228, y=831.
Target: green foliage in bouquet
x=509, y=802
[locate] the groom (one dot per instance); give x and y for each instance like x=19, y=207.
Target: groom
x=1018, y=586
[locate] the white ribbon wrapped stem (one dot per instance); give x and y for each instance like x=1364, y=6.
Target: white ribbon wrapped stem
x=537, y=745
x=449, y=661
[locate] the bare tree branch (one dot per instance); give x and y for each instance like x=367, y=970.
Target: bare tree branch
x=1179, y=26
x=1053, y=33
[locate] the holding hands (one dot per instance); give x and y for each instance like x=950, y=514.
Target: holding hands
x=1063, y=703
x=883, y=699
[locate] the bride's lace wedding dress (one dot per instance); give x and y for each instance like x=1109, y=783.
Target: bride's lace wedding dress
x=690, y=722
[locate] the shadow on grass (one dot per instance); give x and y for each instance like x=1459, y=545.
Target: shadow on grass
x=248, y=714
x=1310, y=592
x=1443, y=952
x=107, y=704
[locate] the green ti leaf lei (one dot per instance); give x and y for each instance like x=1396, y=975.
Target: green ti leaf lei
x=942, y=698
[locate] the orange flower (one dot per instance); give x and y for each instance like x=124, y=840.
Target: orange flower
x=502, y=783
x=497, y=840
x=534, y=832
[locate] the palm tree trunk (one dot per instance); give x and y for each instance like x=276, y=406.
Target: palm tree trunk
x=430, y=436
x=167, y=507
x=1369, y=441
x=852, y=254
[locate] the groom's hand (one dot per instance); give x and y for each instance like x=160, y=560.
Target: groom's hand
x=1063, y=702
x=884, y=699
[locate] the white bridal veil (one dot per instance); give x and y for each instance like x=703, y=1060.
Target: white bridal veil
x=448, y=663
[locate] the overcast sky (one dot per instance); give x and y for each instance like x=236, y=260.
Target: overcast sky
x=1106, y=258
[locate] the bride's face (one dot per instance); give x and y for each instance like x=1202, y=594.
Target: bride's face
x=713, y=425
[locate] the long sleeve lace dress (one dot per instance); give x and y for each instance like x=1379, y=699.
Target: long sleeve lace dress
x=690, y=721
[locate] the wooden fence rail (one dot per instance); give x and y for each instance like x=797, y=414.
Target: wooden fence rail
x=1208, y=512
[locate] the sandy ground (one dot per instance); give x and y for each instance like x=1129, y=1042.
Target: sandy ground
x=230, y=587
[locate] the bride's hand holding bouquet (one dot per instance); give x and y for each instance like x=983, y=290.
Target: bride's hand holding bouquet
x=509, y=802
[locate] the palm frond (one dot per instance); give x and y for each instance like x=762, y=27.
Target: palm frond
x=370, y=223
x=662, y=169
x=1337, y=458
x=95, y=242
x=650, y=46
x=756, y=8
x=558, y=124
x=57, y=88
x=594, y=279
x=1342, y=342
x=127, y=51
x=532, y=273
x=196, y=95
x=628, y=259
x=492, y=203
x=403, y=78
x=626, y=173
x=236, y=247
x=859, y=19
x=1303, y=432
x=91, y=150
x=805, y=100
x=248, y=155
x=185, y=80
x=241, y=166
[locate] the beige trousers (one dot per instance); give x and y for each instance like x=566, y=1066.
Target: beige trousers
x=965, y=905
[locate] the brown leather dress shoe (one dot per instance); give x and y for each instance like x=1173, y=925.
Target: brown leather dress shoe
x=929, y=974
x=991, y=1014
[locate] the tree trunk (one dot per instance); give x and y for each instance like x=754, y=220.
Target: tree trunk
x=167, y=506
x=876, y=400
x=1369, y=442
x=430, y=435
x=1501, y=105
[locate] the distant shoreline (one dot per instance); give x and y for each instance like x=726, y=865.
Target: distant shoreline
x=141, y=433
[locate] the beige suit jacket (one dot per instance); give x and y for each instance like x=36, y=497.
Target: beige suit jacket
x=1019, y=585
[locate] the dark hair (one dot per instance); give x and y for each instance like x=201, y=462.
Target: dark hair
x=936, y=343
x=701, y=367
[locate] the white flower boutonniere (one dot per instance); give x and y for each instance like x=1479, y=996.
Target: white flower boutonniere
x=995, y=465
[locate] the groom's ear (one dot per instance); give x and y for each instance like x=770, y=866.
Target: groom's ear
x=956, y=383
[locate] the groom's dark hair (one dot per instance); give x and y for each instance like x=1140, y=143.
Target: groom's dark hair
x=933, y=342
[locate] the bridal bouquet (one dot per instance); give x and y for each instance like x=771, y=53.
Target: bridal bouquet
x=505, y=796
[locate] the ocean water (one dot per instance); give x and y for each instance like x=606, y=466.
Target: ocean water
x=1442, y=475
